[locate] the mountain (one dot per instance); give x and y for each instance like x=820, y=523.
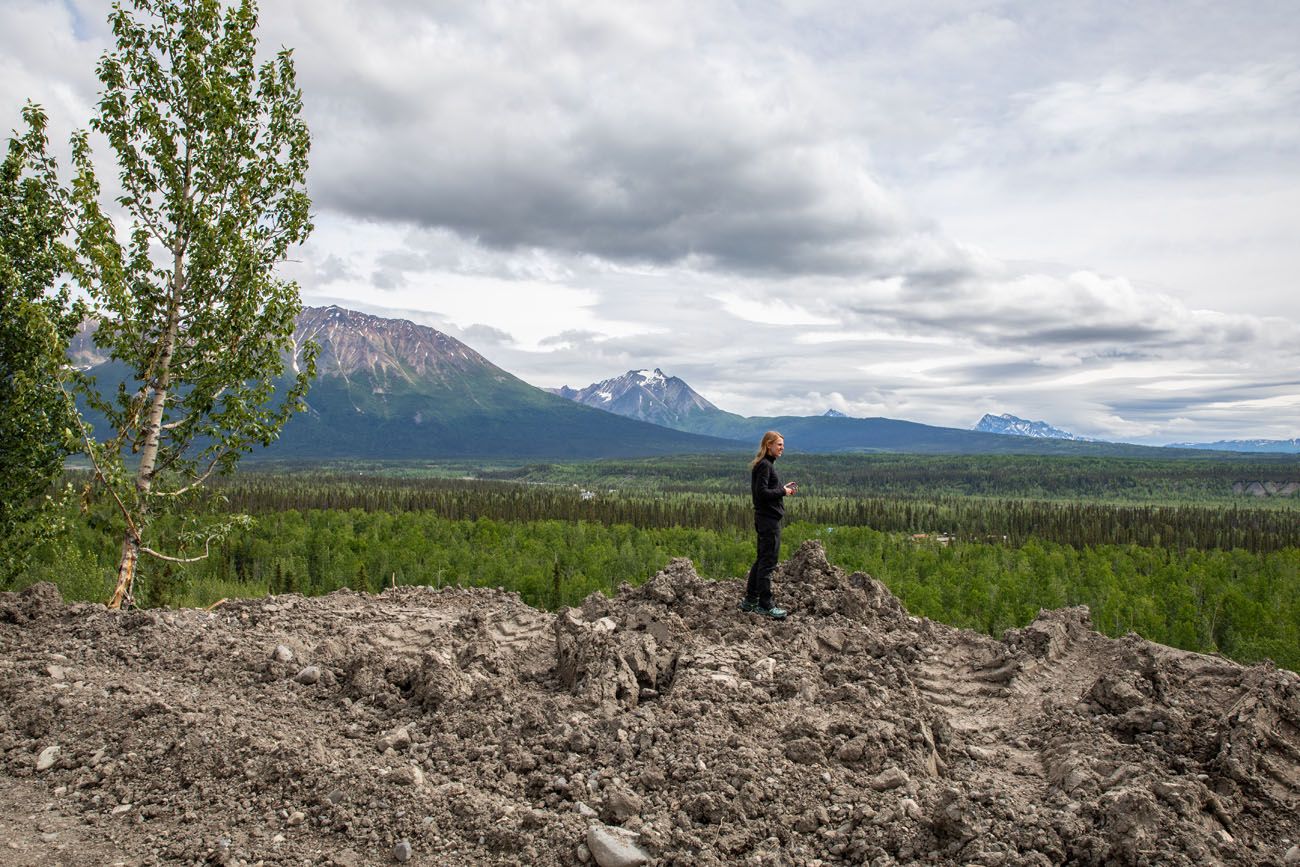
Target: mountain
x=392, y=389
x=82, y=351
x=1291, y=446
x=646, y=395
x=389, y=388
x=1015, y=426
x=833, y=413
x=637, y=391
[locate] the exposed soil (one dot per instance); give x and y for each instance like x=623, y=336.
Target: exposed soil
x=464, y=727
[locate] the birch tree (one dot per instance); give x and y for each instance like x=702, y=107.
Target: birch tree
x=212, y=156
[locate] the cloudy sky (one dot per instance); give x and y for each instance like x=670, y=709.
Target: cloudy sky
x=1084, y=212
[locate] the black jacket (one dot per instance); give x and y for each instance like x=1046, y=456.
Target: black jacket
x=768, y=492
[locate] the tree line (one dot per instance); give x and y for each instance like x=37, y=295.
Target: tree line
x=1014, y=521
x=1131, y=480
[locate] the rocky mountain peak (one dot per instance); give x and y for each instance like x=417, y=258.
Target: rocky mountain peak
x=352, y=342
x=83, y=352
x=1015, y=426
x=647, y=395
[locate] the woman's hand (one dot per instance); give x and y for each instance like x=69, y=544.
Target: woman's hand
x=791, y=489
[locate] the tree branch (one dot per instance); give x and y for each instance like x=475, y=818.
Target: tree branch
x=198, y=480
x=207, y=545
x=94, y=461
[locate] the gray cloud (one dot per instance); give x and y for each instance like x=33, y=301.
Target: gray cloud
x=486, y=334
x=1132, y=334
x=332, y=269
x=613, y=133
x=800, y=205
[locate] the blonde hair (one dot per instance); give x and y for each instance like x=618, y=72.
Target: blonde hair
x=768, y=438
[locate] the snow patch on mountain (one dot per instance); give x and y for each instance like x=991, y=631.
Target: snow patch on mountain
x=1012, y=425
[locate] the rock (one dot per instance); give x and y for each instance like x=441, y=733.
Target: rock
x=408, y=776
x=47, y=758
x=437, y=681
x=282, y=653
x=832, y=638
x=308, y=676
x=56, y=672
x=621, y=805
x=296, y=818
x=402, y=851
x=889, y=778
x=397, y=739
x=614, y=847
x=1115, y=695
x=805, y=751
x=1292, y=856
x=608, y=667
x=854, y=749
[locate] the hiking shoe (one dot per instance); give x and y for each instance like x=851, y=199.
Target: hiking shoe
x=747, y=605
x=774, y=612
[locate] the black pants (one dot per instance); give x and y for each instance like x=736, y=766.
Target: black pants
x=758, y=587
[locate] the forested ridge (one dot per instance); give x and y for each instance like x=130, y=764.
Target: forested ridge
x=1011, y=520
x=1173, y=481
x=1203, y=577
x=1134, y=480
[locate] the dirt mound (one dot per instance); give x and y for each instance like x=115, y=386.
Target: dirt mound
x=661, y=726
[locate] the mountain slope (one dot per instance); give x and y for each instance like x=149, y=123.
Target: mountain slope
x=389, y=388
x=1291, y=446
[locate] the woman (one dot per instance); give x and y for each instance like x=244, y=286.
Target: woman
x=768, y=493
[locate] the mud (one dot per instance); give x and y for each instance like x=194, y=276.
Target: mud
x=661, y=726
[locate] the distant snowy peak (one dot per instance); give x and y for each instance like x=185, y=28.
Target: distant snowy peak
x=833, y=413
x=647, y=395
x=1015, y=426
